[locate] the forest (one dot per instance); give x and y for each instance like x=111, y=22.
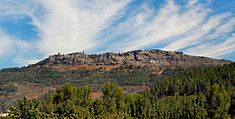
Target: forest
x=198, y=93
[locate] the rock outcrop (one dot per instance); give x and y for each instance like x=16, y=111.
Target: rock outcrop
x=140, y=58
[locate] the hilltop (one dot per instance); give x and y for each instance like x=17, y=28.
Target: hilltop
x=155, y=59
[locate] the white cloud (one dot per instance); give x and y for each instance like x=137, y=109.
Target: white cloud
x=22, y=61
x=215, y=49
x=168, y=22
x=71, y=25
x=68, y=25
x=17, y=48
x=19, y=7
x=5, y=45
x=24, y=52
x=198, y=34
x=223, y=29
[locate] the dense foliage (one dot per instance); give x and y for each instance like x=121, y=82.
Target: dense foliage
x=196, y=94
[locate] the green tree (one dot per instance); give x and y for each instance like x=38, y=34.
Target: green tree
x=218, y=102
x=27, y=109
x=113, y=98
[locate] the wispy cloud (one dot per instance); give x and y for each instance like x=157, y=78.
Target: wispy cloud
x=197, y=34
x=110, y=25
x=147, y=27
x=65, y=26
x=72, y=25
x=215, y=49
x=174, y=29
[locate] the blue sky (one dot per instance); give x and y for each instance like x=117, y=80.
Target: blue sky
x=31, y=30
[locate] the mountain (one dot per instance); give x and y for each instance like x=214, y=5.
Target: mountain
x=134, y=71
x=198, y=92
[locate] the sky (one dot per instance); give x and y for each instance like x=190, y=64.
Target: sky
x=31, y=30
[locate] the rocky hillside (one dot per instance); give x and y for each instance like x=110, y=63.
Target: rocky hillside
x=151, y=59
x=134, y=71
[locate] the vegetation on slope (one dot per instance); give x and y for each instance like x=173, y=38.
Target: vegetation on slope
x=198, y=93
x=12, y=79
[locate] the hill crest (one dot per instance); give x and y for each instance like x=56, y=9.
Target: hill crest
x=137, y=58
